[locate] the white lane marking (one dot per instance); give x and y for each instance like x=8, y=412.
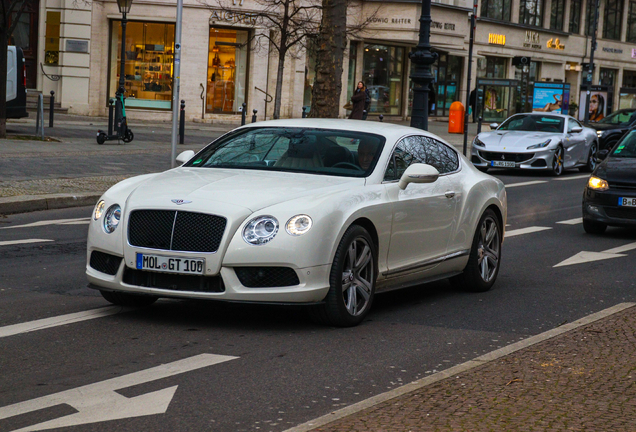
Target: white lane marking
x=84, y=222
x=14, y=242
x=527, y=230
x=574, y=221
x=49, y=222
x=572, y=178
x=528, y=183
x=586, y=256
x=99, y=402
x=46, y=323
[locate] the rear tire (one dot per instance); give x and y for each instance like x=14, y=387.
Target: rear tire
x=484, y=261
x=101, y=138
x=127, y=299
x=129, y=136
x=593, y=227
x=352, y=281
x=591, y=158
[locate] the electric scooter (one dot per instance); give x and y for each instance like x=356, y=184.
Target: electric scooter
x=123, y=133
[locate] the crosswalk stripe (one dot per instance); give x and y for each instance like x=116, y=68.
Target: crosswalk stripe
x=51, y=222
x=528, y=183
x=572, y=178
x=15, y=242
x=574, y=221
x=527, y=230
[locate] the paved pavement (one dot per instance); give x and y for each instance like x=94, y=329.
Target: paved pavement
x=580, y=376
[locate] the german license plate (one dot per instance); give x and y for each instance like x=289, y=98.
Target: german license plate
x=503, y=164
x=170, y=264
x=627, y=202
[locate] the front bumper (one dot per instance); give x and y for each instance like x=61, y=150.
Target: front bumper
x=539, y=159
x=602, y=206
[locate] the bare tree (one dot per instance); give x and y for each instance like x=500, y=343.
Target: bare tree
x=10, y=12
x=291, y=22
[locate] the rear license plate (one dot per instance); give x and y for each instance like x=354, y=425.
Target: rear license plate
x=627, y=202
x=170, y=264
x=503, y=164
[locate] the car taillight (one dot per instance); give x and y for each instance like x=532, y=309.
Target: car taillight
x=23, y=73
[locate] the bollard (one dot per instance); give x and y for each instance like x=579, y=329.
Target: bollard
x=254, y=116
x=304, y=112
x=243, y=113
x=111, y=111
x=381, y=117
x=479, y=125
x=182, y=123
x=39, y=122
x=51, y=109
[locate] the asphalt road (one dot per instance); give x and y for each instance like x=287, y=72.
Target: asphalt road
x=271, y=367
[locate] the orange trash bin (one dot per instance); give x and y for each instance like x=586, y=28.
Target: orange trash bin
x=456, y=118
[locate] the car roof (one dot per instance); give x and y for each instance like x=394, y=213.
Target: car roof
x=543, y=114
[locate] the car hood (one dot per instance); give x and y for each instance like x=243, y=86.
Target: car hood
x=248, y=189
x=618, y=171
x=508, y=140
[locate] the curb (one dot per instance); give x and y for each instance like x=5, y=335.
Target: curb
x=30, y=203
x=471, y=364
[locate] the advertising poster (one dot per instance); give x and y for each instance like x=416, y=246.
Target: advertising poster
x=599, y=104
x=551, y=97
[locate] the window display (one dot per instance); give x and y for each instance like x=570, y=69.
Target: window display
x=149, y=64
x=227, y=70
x=383, y=75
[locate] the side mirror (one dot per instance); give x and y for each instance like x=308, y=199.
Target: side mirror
x=602, y=154
x=493, y=126
x=418, y=173
x=185, y=156
x=577, y=129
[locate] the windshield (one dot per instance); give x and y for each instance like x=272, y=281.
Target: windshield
x=316, y=151
x=622, y=117
x=626, y=147
x=534, y=123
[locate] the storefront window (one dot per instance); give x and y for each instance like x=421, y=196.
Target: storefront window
x=629, y=79
x=590, y=13
x=556, y=14
x=496, y=9
x=575, y=16
x=383, y=74
x=227, y=70
x=607, y=77
x=351, y=76
x=530, y=12
x=492, y=67
x=613, y=20
x=149, y=63
x=631, y=22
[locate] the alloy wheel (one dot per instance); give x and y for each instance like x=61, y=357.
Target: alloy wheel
x=557, y=161
x=357, y=276
x=488, y=250
x=591, y=163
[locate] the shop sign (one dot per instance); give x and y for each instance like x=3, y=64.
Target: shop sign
x=496, y=39
x=443, y=26
x=615, y=51
x=532, y=40
x=233, y=17
x=79, y=46
x=555, y=44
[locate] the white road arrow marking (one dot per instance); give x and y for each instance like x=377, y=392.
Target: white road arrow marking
x=527, y=230
x=51, y=222
x=15, y=242
x=574, y=221
x=585, y=256
x=528, y=183
x=98, y=402
x=572, y=178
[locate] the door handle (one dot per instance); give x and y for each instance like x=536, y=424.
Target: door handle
x=449, y=194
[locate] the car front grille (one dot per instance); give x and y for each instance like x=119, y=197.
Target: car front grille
x=105, y=263
x=622, y=186
x=174, y=282
x=621, y=212
x=511, y=157
x=266, y=277
x=175, y=230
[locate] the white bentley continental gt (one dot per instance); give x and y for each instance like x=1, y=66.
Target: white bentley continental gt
x=320, y=213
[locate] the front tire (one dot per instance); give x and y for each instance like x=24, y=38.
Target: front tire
x=485, y=255
x=593, y=227
x=127, y=299
x=557, y=161
x=591, y=158
x=352, y=281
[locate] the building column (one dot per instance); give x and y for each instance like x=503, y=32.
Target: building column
x=547, y=10
x=601, y=12
x=514, y=11
x=566, y=16
x=624, y=21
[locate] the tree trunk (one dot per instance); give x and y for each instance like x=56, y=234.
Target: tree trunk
x=279, y=81
x=3, y=82
x=331, y=43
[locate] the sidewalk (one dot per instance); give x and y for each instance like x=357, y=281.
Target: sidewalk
x=577, y=377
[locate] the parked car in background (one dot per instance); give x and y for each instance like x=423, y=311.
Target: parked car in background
x=612, y=128
x=609, y=198
x=315, y=212
x=16, y=83
x=536, y=141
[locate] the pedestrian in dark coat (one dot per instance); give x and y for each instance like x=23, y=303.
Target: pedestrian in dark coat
x=357, y=101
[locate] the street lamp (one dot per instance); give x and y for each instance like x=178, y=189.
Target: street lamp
x=422, y=77
x=124, y=8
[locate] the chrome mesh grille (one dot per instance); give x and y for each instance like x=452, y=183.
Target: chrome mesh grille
x=105, y=263
x=266, y=277
x=175, y=230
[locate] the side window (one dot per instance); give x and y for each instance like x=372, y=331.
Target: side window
x=421, y=149
x=406, y=152
x=572, y=124
x=449, y=159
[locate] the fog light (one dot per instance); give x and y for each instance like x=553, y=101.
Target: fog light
x=592, y=209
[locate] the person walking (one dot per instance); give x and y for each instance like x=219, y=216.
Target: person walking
x=357, y=101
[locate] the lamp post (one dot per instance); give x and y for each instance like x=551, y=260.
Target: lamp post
x=590, y=70
x=124, y=8
x=422, y=77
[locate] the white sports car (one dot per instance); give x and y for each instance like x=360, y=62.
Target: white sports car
x=322, y=213
x=537, y=141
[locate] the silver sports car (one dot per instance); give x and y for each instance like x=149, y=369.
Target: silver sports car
x=537, y=141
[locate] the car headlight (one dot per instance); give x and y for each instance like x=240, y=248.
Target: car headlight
x=599, y=133
x=597, y=184
x=540, y=145
x=478, y=142
x=298, y=225
x=112, y=218
x=260, y=230
x=99, y=210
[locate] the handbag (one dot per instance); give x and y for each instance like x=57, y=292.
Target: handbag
x=348, y=106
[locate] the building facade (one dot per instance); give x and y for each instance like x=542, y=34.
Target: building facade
x=74, y=49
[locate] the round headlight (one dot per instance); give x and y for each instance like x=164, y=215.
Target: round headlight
x=260, y=230
x=99, y=209
x=111, y=220
x=298, y=225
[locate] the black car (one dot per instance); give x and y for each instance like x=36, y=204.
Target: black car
x=609, y=198
x=613, y=127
